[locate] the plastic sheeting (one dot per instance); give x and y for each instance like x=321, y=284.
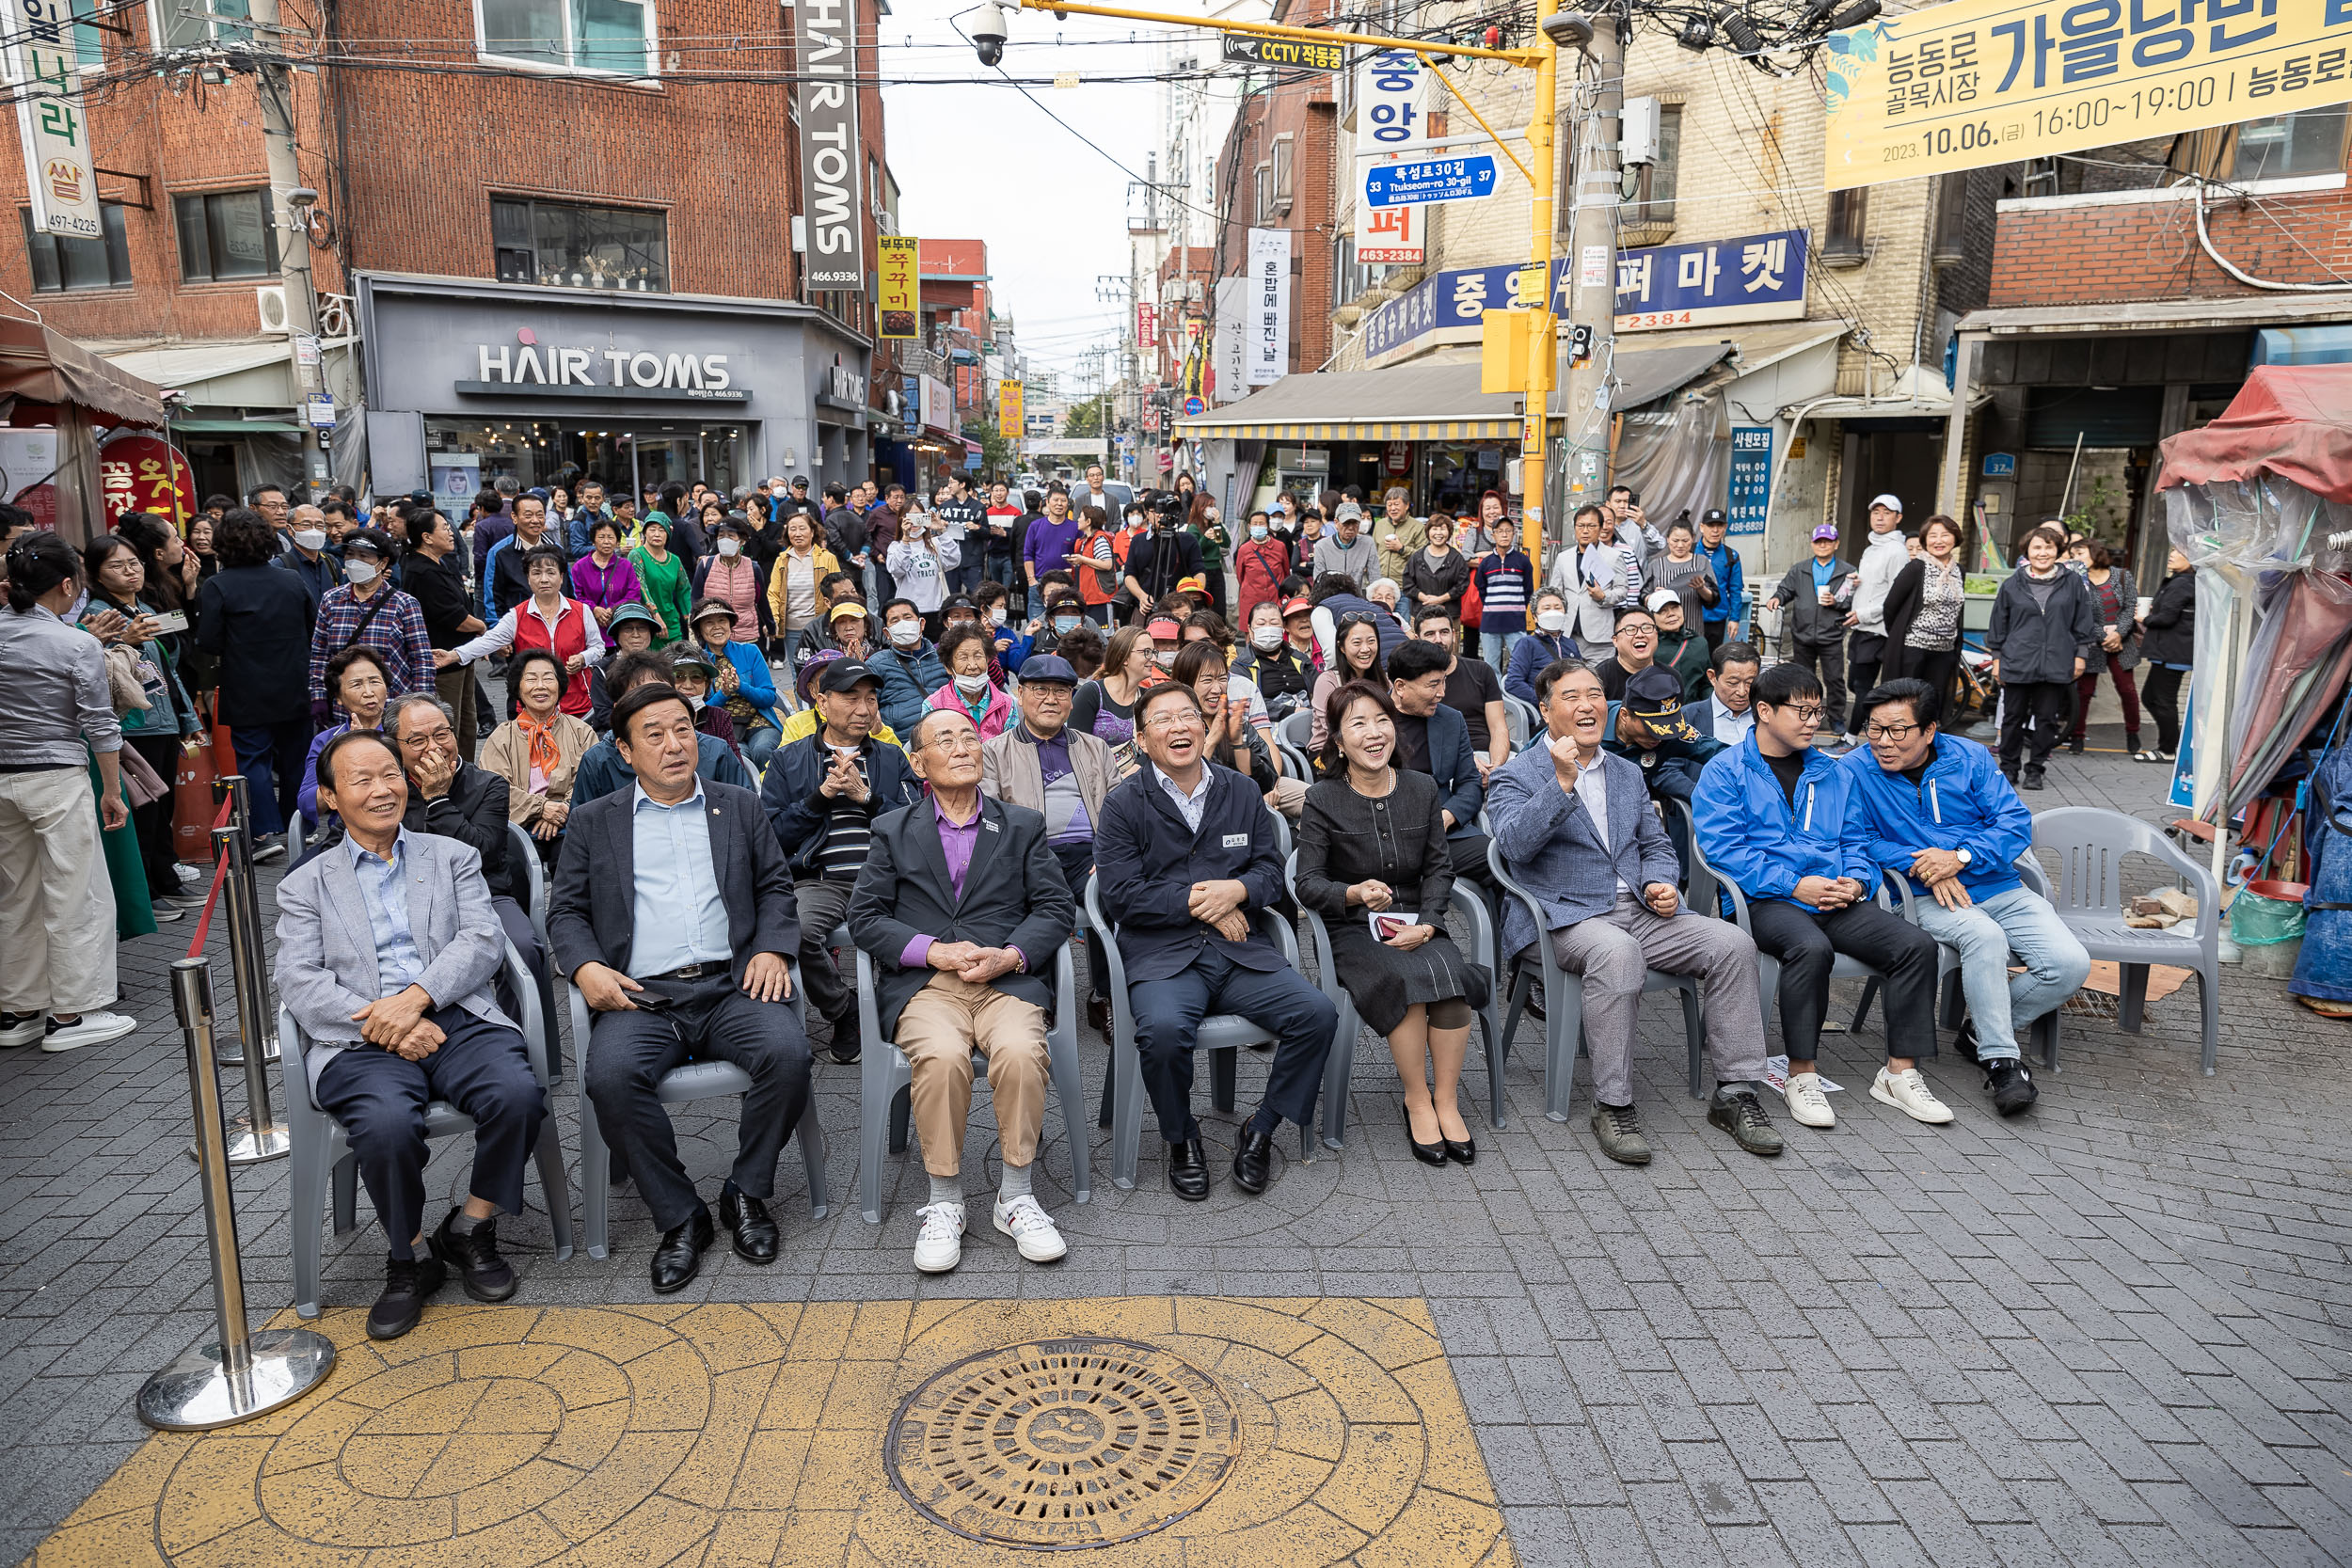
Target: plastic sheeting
x=1676, y=460
x=2292, y=423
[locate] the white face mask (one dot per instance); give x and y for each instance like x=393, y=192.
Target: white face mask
x=310, y=538
x=695, y=704
x=361, y=573
x=996, y=614
x=1164, y=657
x=906, y=634
x=1065, y=625
x=776, y=490
x=1553, y=620
x=972, y=686
x=1267, y=638
x=1257, y=531
x=729, y=547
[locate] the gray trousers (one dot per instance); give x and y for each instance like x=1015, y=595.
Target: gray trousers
x=1614, y=952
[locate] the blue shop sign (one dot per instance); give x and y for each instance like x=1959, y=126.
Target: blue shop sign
x=1751, y=494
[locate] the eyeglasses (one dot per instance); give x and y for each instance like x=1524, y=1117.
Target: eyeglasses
x=1809, y=715
x=1172, y=719
x=1889, y=732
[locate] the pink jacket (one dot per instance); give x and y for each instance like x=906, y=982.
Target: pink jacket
x=992, y=722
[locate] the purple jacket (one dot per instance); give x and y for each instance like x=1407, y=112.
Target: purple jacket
x=608, y=587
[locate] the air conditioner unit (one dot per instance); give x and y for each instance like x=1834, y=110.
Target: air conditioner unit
x=271, y=301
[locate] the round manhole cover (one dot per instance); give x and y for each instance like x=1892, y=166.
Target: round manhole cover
x=1063, y=1443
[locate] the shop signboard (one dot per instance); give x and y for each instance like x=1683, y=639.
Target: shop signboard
x=142, y=474
x=1009, y=406
x=1979, y=82
x=825, y=42
x=1225, y=379
x=1751, y=495
x=1287, y=53
x=1147, y=323
x=898, y=262
x=1392, y=122
x=937, y=403
x=60, y=171
x=28, y=466
x=1267, y=348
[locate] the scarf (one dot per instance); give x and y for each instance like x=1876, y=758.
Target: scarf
x=539, y=733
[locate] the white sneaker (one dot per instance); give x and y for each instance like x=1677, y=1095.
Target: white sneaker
x=89, y=1029
x=939, y=1245
x=1807, y=1104
x=189, y=876
x=1909, y=1093
x=1031, y=1229
x=28, y=1028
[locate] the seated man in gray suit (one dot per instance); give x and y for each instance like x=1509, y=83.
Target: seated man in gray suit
x=962, y=906
x=393, y=989
x=672, y=913
x=1578, y=831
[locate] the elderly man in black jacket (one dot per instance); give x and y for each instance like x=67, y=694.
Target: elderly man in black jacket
x=705, y=976
x=962, y=906
x=1184, y=854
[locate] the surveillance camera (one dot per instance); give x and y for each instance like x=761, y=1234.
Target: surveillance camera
x=988, y=34
x=1568, y=29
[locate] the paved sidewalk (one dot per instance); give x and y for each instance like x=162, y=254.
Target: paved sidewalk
x=2116, y=1331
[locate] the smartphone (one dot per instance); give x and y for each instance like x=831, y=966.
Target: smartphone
x=171, y=620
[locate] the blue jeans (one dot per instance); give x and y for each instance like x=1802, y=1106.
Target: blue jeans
x=760, y=745
x=271, y=757
x=1499, y=646
x=1987, y=933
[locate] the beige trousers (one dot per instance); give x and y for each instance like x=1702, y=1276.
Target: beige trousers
x=56, y=907
x=940, y=1028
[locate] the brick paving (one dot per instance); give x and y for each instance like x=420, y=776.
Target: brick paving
x=2117, y=1331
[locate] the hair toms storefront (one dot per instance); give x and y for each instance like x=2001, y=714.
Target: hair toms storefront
x=470, y=382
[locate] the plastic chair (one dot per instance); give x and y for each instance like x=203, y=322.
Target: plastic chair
x=886, y=1079
x=694, y=1080
x=1220, y=1035
x=1298, y=729
x=1525, y=721
x=1300, y=767
x=322, y=1153
x=1706, y=879
x=520, y=844
x=2088, y=896
x=1564, y=1000
x=1951, y=996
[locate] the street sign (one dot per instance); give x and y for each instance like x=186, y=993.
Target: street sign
x=1288, y=52
x=320, y=410
x=1194, y=406
x=1429, y=180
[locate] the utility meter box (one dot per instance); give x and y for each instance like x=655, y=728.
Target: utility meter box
x=1637, y=132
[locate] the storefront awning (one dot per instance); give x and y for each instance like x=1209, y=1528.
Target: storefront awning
x=251, y=372
x=2157, y=315
x=235, y=427
x=1918, y=394
x=40, y=366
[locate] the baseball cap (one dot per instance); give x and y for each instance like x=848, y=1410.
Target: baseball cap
x=1164, y=627
x=1347, y=509
x=1659, y=598
x=1827, y=530
x=840, y=674
x=1711, y=515
x=710, y=610
x=846, y=607
x=1892, y=503
x=959, y=601
x=1047, y=666
x=1654, y=696
x=1298, y=606
x=813, y=667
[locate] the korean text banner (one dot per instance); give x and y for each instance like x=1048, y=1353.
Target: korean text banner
x=824, y=41
x=60, y=171
x=1008, y=417
x=1981, y=82
x=898, y=262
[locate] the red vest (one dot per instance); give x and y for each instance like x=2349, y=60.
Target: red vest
x=571, y=637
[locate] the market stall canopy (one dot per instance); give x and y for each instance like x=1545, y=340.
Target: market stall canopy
x=1426, y=403
x=40, y=366
x=257, y=372
x=2292, y=422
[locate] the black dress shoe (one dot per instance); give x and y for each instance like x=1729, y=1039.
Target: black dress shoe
x=754, y=1231
x=1253, y=1161
x=1428, y=1155
x=1099, y=1015
x=680, y=1257
x=473, y=1257
x=1188, y=1170
x=1462, y=1152
x=408, y=1283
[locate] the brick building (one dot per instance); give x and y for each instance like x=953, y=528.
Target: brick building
x=479, y=196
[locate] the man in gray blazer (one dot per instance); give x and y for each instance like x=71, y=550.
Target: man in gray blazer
x=1576, y=830
x=386, y=946
x=672, y=913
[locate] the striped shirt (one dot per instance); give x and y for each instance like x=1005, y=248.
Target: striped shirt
x=849, y=835
x=1504, y=581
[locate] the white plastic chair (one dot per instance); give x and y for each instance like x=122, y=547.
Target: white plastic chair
x=1524, y=721
x=523, y=850
x=1706, y=881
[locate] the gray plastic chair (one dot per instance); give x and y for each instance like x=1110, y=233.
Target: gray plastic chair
x=886, y=1079
x=321, y=1153
x=1296, y=730
x=1706, y=883
x=1525, y=721
x=2089, y=895
x=1221, y=1035
x=1301, y=769
x=520, y=844
x=1951, y=996
x=694, y=1080
x=1563, y=1002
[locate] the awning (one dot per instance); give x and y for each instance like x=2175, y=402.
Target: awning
x=2291, y=420
x=2157, y=315
x=235, y=427
x=191, y=364
x=40, y=366
x=1919, y=393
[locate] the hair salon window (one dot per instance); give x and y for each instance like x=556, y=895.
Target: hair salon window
x=567, y=247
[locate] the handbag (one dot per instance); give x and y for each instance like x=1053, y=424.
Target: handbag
x=125, y=685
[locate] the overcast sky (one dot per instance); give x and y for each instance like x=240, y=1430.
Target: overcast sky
x=983, y=161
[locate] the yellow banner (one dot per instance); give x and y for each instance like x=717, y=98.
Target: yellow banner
x=899, y=268
x=1008, y=421
x=1982, y=81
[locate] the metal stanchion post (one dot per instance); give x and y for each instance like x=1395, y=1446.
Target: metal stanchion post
x=235, y=791
x=244, y=1374
x=266, y=1137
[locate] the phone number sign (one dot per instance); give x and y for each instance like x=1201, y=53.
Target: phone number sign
x=1980, y=82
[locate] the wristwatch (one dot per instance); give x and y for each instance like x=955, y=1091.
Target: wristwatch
x=1962, y=856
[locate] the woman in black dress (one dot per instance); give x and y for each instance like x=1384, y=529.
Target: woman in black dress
x=1373, y=841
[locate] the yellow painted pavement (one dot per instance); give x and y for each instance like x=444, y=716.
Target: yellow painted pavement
x=1277, y=1433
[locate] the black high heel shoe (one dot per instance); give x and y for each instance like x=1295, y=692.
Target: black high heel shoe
x=1463, y=1151
x=1428, y=1155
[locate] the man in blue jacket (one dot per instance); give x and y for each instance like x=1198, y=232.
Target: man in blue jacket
x=1780, y=820
x=1184, y=856
x=907, y=666
x=1937, y=811
x=1720, y=620
x=821, y=795
x=1434, y=739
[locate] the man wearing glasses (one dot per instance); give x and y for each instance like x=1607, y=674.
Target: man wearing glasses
x=1184, y=856
x=1781, y=821
x=1937, y=810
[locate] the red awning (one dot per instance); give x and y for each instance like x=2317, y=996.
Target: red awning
x=2294, y=422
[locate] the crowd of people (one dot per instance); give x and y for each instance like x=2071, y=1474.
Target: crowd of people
x=751, y=737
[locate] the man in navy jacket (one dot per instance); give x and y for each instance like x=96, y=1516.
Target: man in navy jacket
x=1184, y=856
x=1781, y=820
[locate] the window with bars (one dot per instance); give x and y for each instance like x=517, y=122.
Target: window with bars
x=1849, y=211
x=224, y=235
x=604, y=37
x=1281, y=162
x=62, y=264
x=565, y=246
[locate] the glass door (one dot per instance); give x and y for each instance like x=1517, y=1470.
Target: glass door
x=662, y=460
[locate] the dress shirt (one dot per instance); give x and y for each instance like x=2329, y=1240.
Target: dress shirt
x=383, y=888
x=1593, y=791
x=1727, y=726
x=680, y=918
x=57, y=693
x=1195, y=805
x=957, y=840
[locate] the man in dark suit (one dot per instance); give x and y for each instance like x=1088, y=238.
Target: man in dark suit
x=672, y=913
x=1184, y=854
x=962, y=906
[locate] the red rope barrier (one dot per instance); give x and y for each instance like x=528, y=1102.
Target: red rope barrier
x=220, y=872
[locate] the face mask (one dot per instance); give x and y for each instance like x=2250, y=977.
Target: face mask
x=996, y=614
x=972, y=686
x=1164, y=657
x=1257, y=531
x=776, y=490
x=310, y=538
x=729, y=547
x=361, y=573
x=1553, y=620
x=1065, y=625
x=1267, y=638
x=906, y=634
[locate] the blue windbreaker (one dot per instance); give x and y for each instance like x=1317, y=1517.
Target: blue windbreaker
x=1751, y=833
x=1960, y=803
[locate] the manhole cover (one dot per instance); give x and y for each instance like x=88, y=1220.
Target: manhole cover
x=1063, y=1443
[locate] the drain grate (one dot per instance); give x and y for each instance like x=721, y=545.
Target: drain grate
x=1063, y=1443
